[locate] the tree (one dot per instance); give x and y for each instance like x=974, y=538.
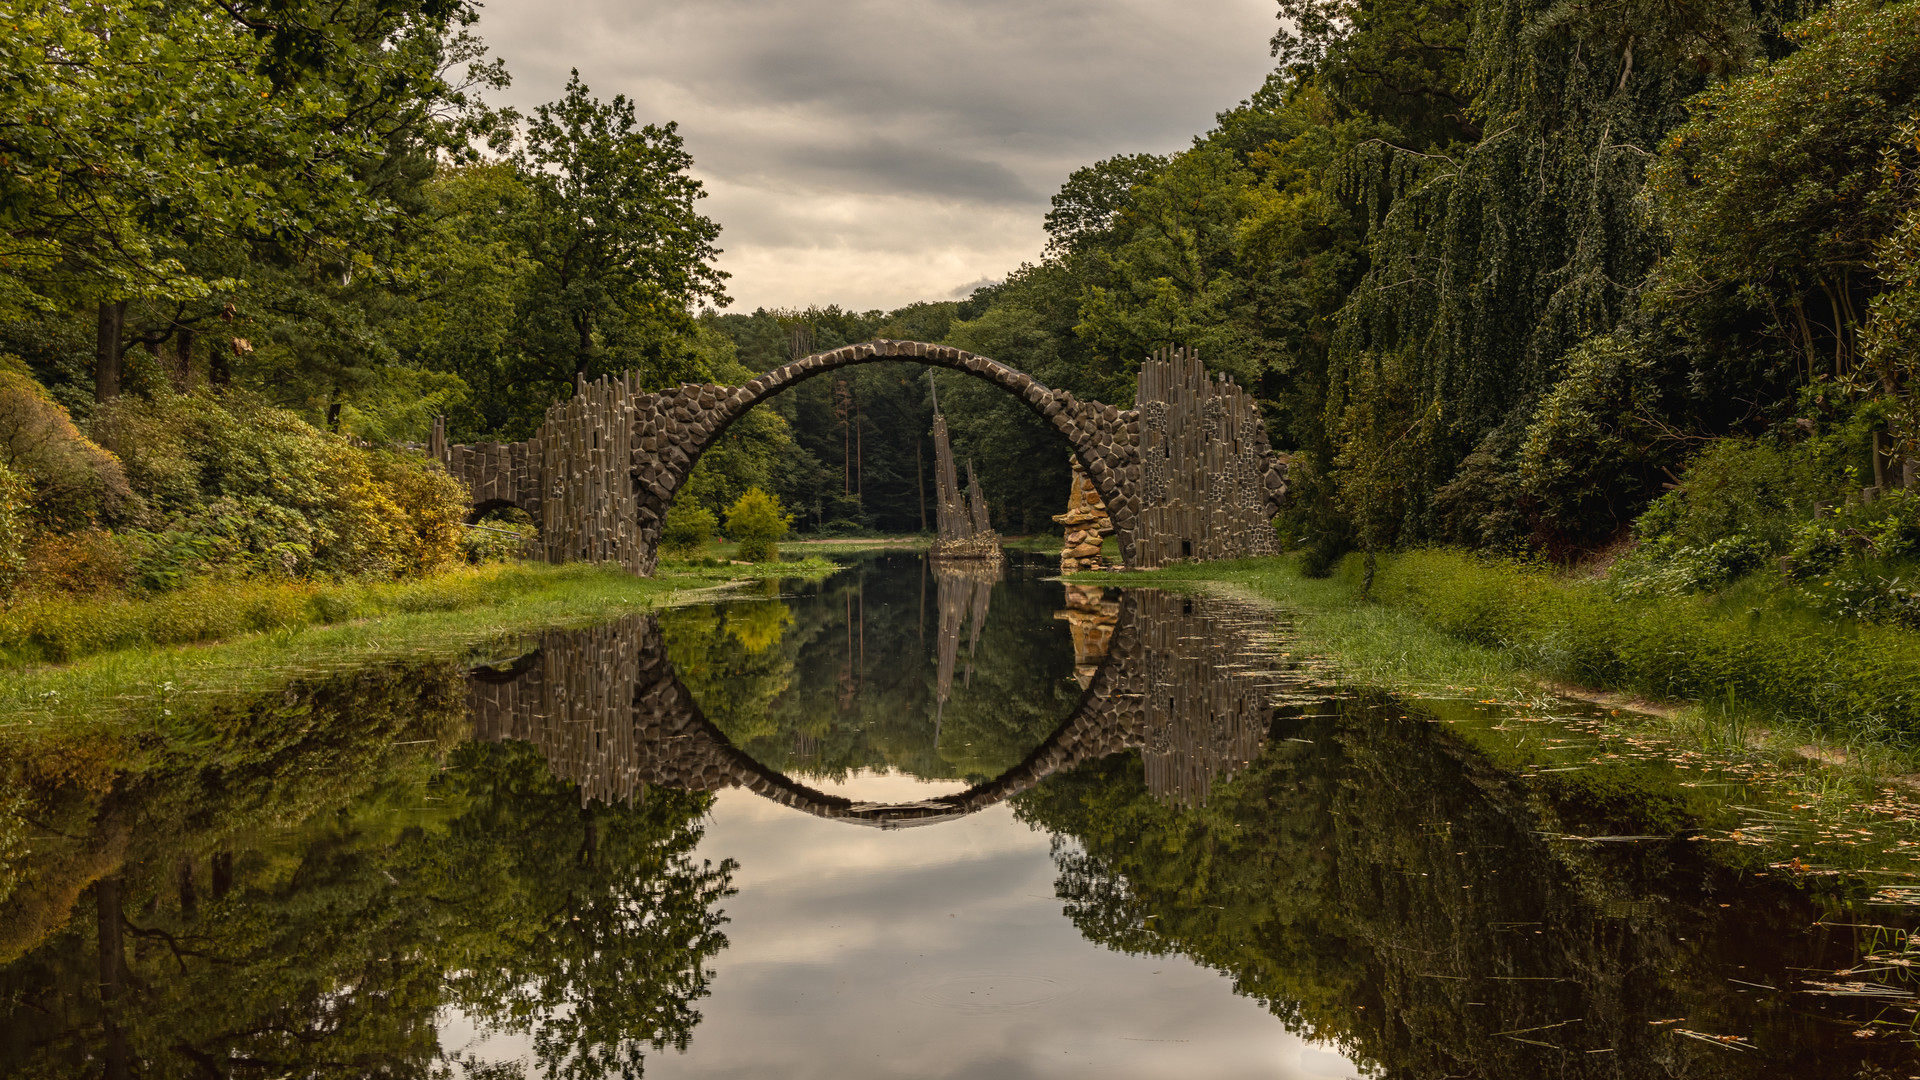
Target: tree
x=179, y=156
x=756, y=521
x=689, y=526
x=619, y=256
x=1778, y=194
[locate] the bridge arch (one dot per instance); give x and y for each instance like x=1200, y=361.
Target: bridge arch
x=1188, y=473
x=677, y=426
x=1193, y=682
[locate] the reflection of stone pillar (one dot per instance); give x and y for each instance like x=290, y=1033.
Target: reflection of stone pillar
x=1207, y=690
x=965, y=592
x=1090, y=618
x=1087, y=525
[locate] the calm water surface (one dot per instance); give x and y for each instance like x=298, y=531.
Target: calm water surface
x=913, y=821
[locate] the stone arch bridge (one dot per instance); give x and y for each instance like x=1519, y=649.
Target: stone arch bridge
x=1186, y=473
x=1193, y=682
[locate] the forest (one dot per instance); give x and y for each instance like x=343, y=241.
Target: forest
x=1634, y=283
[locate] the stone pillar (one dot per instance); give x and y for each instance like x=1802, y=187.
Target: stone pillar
x=1087, y=523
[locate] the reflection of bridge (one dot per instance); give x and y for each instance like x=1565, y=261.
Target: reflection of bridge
x=1187, y=473
x=1186, y=680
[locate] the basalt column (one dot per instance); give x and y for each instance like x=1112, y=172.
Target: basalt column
x=1210, y=482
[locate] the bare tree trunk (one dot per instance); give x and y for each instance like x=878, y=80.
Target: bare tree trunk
x=222, y=866
x=183, y=361
x=920, y=477
x=189, y=896
x=106, y=356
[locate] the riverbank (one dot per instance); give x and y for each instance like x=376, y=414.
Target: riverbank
x=153, y=653
x=1448, y=624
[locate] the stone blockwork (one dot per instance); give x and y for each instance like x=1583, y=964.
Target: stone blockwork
x=1190, y=681
x=1087, y=524
x=601, y=505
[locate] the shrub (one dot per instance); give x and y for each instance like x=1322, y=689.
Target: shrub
x=1662, y=568
x=75, y=482
x=270, y=493
x=89, y=562
x=434, y=506
x=688, y=528
x=1591, y=456
x=758, y=523
x=1744, y=487
x=501, y=535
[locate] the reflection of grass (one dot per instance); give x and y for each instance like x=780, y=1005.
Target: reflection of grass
x=1447, y=624
x=472, y=611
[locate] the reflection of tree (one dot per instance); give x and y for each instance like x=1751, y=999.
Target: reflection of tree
x=849, y=684
x=1388, y=889
x=333, y=948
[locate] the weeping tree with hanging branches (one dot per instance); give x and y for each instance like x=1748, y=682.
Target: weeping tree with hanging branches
x=1492, y=259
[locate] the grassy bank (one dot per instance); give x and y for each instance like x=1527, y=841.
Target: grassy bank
x=131, y=658
x=1442, y=619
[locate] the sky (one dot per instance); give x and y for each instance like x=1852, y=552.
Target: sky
x=940, y=952
x=871, y=153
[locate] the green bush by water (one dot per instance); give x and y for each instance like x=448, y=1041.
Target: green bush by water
x=1749, y=649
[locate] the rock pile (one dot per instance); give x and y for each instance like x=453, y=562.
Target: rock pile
x=1087, y=522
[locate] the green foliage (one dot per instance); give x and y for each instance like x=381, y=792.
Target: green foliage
x=1846, y=680
x=757, y=522
x=15, y=505
x=1744, y=487
x=1775, y=195
x=268, y=493
x=1086, y=208
x=1890, y=341
x=1595, y=446
x=74, y=482
x=145, y=132
x=688, y=529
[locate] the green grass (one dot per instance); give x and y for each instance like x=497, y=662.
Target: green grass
x=1371, y=644
x=1441, y=619
x=253, y=636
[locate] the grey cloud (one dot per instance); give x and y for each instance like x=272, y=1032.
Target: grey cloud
x=893, y=166
x=965, y=106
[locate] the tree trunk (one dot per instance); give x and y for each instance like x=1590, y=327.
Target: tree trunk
x=183, y=361
x=222, y=867
x=189, y=895
x=106, y=354
x=113, y=962
x=220, y=366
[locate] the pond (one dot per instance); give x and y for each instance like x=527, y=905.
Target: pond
x=936, y=821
